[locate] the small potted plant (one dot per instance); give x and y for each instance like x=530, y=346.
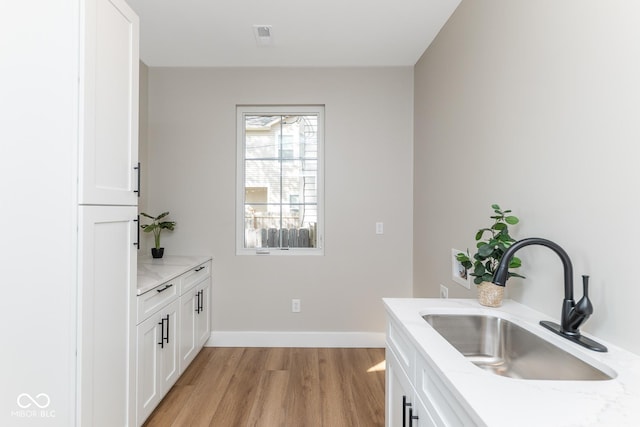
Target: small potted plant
x=492, y=244
x=156, y=227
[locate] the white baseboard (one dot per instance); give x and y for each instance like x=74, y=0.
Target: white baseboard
x=296, y=339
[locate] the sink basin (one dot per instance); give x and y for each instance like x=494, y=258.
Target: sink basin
x=504, y=348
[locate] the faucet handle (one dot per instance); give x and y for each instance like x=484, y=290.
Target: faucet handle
x=584, y=306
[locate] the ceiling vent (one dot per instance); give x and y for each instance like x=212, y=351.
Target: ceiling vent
x=262, y=34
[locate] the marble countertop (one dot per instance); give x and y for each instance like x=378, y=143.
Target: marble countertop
x=501, y=401
x=153, y=272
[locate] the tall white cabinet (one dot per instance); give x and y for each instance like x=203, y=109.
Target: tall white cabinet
x=67, y=179
x=107, y=197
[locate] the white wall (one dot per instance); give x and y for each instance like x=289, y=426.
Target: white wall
x=535, y=106
x=38, y=140
x=192, y=164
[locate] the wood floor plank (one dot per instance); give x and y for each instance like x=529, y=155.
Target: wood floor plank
x=268, y=409
x=303, y=405
x=277, y=387
x=335, y=391
x=236, y=404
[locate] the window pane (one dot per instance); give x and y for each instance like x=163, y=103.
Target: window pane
x=279, y=164
x=276, y=226
x=264, y=174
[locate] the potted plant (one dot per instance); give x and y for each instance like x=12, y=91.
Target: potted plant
x=492, y=244
x=156, y=227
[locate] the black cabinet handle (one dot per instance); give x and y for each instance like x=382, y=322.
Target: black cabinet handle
x=168, y=327
x=405, y=405
x=137, y=242
x=161, y=323
x=198, y=302
x=201, y=300
x=138, y=169
x=165, y=288
x=200, y=268
x=412, y=417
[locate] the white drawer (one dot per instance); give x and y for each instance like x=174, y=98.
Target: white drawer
x=403, y=349
x=196, y=275
x=156, y=298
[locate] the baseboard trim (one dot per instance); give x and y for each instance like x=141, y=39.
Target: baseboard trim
x=296, y=339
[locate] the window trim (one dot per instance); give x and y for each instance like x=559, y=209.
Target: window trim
x=241, y=112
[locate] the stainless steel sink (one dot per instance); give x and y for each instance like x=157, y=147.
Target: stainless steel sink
x=506, y=349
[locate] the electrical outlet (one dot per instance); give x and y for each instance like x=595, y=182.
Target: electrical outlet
x=444, y=291
x=295, y=306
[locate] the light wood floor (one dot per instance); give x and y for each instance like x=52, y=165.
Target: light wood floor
x=273, y=387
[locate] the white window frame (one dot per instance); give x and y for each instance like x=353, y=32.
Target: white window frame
x=241, y=112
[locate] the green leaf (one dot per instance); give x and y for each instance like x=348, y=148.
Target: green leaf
x=480, y=233
x=512, y=220
x=515, y=262
x=477, y=280
x=162, y=215
x=460, y=257
x=479, y=270
x=494, y=206
x=499, y=226
x=146, y=215
x=485, y=250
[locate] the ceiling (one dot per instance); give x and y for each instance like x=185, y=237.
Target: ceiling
x=319, y=33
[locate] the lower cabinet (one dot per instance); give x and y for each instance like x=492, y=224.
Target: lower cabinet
x=173, y=326
x=403, y=406
x=194, y=321
x=158, y=361
x=416, y=395
x=106, y=312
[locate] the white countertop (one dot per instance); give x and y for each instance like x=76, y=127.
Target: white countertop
x=501, y=401
x=155, y=271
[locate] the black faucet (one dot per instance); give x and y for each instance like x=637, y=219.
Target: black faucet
x=573, y=315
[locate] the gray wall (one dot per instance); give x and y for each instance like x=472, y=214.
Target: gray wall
x=535, y=106
x=369, y=141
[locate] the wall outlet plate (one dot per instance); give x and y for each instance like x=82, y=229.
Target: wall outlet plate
x=459, y=274
x=295, y=306
x=444, y=291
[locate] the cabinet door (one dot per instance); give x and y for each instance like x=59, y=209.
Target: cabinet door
x=203, y=318
x=109, y=110
x=149, y=392
x=399, y=393
x=106, y=315
x=170, y=367
x=188, y=316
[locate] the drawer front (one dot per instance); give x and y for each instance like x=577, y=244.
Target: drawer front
x=401, y=346
x=156, y=298
x=196, y=275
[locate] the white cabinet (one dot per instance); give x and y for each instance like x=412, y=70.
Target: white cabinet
x=415, y=394
x=107, y=233
x=109, y=169
x=194, y=313
x=173, y=324
x=203, y=318
x=158, y=365
x=106, y=310
x=403, y=406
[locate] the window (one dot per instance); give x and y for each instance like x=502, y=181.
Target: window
x=280, y=168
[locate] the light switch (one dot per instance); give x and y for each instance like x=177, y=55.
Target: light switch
x=379, y=228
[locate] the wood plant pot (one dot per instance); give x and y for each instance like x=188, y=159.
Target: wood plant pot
x=157, y=252
x=490, y=295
